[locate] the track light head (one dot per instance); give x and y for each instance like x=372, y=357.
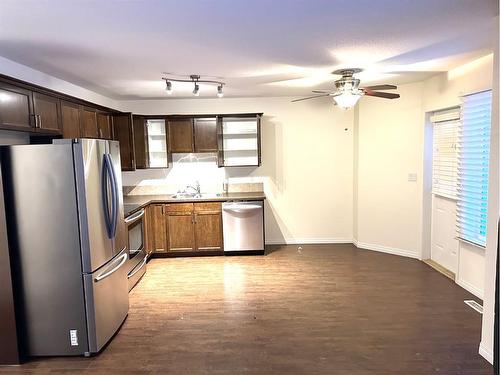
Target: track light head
x=169, y=88
x=220, y=93
x=196, y=90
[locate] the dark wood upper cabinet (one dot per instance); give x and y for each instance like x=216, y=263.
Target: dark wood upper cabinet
x=180, y=135
x=140, y=142
x=104, y=125
x=70, y=119
x=15, y=108
x=205, y=134
x=47, y=112
x=123, y=132
x=88, y=125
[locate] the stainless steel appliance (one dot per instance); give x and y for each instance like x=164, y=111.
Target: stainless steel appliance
x=137, y=254
x=68, y=242
x=243, y=226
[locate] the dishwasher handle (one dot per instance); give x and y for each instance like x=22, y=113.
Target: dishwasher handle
x=241, y=207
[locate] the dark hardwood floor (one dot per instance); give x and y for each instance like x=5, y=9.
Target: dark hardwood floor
x=326, y=309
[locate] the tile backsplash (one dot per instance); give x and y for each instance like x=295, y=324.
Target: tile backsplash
x=184, y=170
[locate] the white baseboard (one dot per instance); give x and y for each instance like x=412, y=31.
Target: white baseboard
x=337, y=240
x=386, y=249
x=485, y=353
x=306, y=241
x=470, y=288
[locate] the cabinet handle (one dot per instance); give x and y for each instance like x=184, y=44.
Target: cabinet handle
x=39, y=121
x=35, y=118
x=194, y=219
x=163, y=210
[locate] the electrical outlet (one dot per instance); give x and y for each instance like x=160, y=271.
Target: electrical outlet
x=412, y=177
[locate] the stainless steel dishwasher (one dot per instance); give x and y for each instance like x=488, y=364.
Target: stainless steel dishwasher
x=243, y=227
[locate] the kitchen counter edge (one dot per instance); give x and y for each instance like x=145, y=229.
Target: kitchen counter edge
x=144, y=200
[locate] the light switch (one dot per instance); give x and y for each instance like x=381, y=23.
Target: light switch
x=412, y=177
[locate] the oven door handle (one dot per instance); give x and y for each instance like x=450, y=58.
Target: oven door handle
x=135, y=216
x=138, y=268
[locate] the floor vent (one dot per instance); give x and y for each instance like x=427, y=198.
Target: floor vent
x=476, y=306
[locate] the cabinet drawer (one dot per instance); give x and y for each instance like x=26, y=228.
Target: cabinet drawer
x=208, y=206
x=179, y=207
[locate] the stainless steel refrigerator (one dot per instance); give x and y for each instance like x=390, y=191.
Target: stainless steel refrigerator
x=67, y=238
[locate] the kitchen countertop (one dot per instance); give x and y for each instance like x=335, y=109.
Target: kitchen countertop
x=133, y=203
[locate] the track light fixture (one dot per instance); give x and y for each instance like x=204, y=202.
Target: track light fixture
x=169, y=88
x=194, y=78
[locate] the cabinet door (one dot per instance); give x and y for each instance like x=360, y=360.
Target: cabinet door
x=205, y=134
x=47, y=110
x=159, y=229
x=104, y=125
x=180, y=135
x=15, y=108
x=89, y=123
x=180, y=229
x=123, y=133
x=140, y=142
x=208, y=230
x=149, y=225
x=70, y=118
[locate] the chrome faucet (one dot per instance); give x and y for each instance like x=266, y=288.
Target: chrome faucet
x=196, y=188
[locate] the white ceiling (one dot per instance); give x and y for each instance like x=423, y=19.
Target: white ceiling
x=258, y=47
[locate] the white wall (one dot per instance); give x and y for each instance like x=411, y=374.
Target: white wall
x=486, y=347
x=389, y=147
x=306, y=167
x=25, y=73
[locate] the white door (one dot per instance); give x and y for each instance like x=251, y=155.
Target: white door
x=444, y=245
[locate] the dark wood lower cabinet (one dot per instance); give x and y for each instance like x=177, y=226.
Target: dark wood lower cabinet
x=158, y=236
x=208, y=231
x=180, y=227
x=184, y=227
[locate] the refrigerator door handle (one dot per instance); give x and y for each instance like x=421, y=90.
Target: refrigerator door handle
x=123, y=258
x=104, y=194
x=114, y=188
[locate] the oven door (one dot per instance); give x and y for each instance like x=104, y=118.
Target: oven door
x=135, y=226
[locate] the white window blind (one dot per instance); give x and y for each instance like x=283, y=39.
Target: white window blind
x=444, y=156
x=473, y=167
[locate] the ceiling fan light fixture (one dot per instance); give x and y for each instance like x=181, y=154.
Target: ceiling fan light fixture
x=347, y=99
x=196, y=91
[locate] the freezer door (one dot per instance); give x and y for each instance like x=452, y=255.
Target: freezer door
x=106, y=296
x=120, y=238
x=93, y=209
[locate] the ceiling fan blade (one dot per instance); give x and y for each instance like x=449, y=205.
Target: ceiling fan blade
x=321, y=92
x=310, y=97
x=381, y=87
x=385, y=95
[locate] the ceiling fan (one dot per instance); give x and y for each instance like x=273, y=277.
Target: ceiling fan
x=347, y=91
